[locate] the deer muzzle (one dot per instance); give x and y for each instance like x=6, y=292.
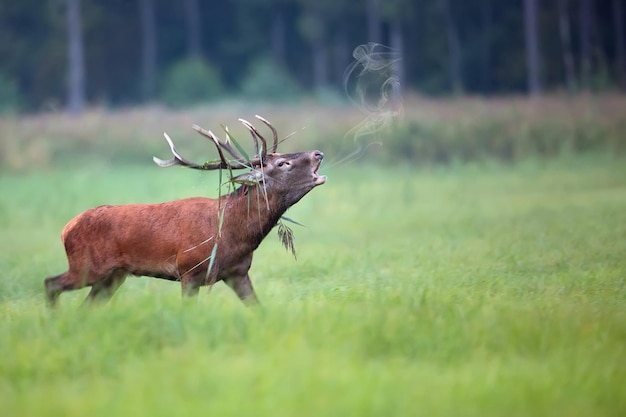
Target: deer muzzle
x=318, y=179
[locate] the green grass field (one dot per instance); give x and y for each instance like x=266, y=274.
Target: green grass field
x=472, y=290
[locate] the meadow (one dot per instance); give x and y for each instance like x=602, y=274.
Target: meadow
x=473, y=288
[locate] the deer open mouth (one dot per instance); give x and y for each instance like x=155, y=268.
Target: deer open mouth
x=318, y=179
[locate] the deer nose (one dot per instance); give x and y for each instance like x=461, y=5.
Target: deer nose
x=319, y=155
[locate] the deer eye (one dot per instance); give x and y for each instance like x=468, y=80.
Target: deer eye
x=281, y=163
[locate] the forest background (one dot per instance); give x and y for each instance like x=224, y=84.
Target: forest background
x=68, y=54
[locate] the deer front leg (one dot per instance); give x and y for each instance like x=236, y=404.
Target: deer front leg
x=190, y=286
x=243, y=288
x=102, y=291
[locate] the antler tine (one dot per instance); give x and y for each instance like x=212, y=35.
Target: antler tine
x=228, y=145
x=225, y=145
x=239, y=163
x=274, y=132
x=256, y=144
x=255, y=133
x=217, y=143
x=177, y=160
x=209, y=166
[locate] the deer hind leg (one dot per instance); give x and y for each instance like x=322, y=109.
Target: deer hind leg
x=54, y=288
x=242, y=286
x=58, y=284
x=104, y=289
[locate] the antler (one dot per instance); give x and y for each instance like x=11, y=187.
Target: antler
x=225, y=145
x=178, y=159
x=274, y=132
x=256, y=135
x=238, y=163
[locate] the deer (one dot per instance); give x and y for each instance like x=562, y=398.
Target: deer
x=196, y=241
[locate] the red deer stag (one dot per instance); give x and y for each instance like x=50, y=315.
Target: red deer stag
x=196, y=241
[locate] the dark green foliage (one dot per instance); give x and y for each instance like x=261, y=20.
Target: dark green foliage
x=268, y=81
x=9, y=97
x=191, y=81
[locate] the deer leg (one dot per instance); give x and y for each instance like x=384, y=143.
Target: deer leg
x=103, y=290
x=54, y=288
x=66, y=281
x=243, y=288
x=190, y=286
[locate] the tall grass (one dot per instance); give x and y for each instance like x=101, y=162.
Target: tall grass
x=430, y=131
x=468, y=290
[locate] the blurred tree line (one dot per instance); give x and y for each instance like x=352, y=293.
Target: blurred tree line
x=66, y=53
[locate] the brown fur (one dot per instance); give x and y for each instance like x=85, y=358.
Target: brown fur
x=175, y=240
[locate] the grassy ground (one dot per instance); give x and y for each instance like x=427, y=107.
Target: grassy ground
x=471, y=290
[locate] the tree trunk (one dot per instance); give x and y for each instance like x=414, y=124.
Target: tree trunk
x=586, y=18
x=341, y=54
x=486, y=45
x=374, y=22
x=532, y=47
x=320, y=65
x=320, y=51
x=566, y=46
x=454, y=48
x=76, y=61
x=278, y=36
x=397, y=46
x=620, y=59
x=148, y=48
x=194, y=38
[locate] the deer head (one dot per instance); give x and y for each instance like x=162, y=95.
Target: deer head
x=290, y=175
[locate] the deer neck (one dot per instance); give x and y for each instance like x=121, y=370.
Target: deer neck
x=253, y=213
